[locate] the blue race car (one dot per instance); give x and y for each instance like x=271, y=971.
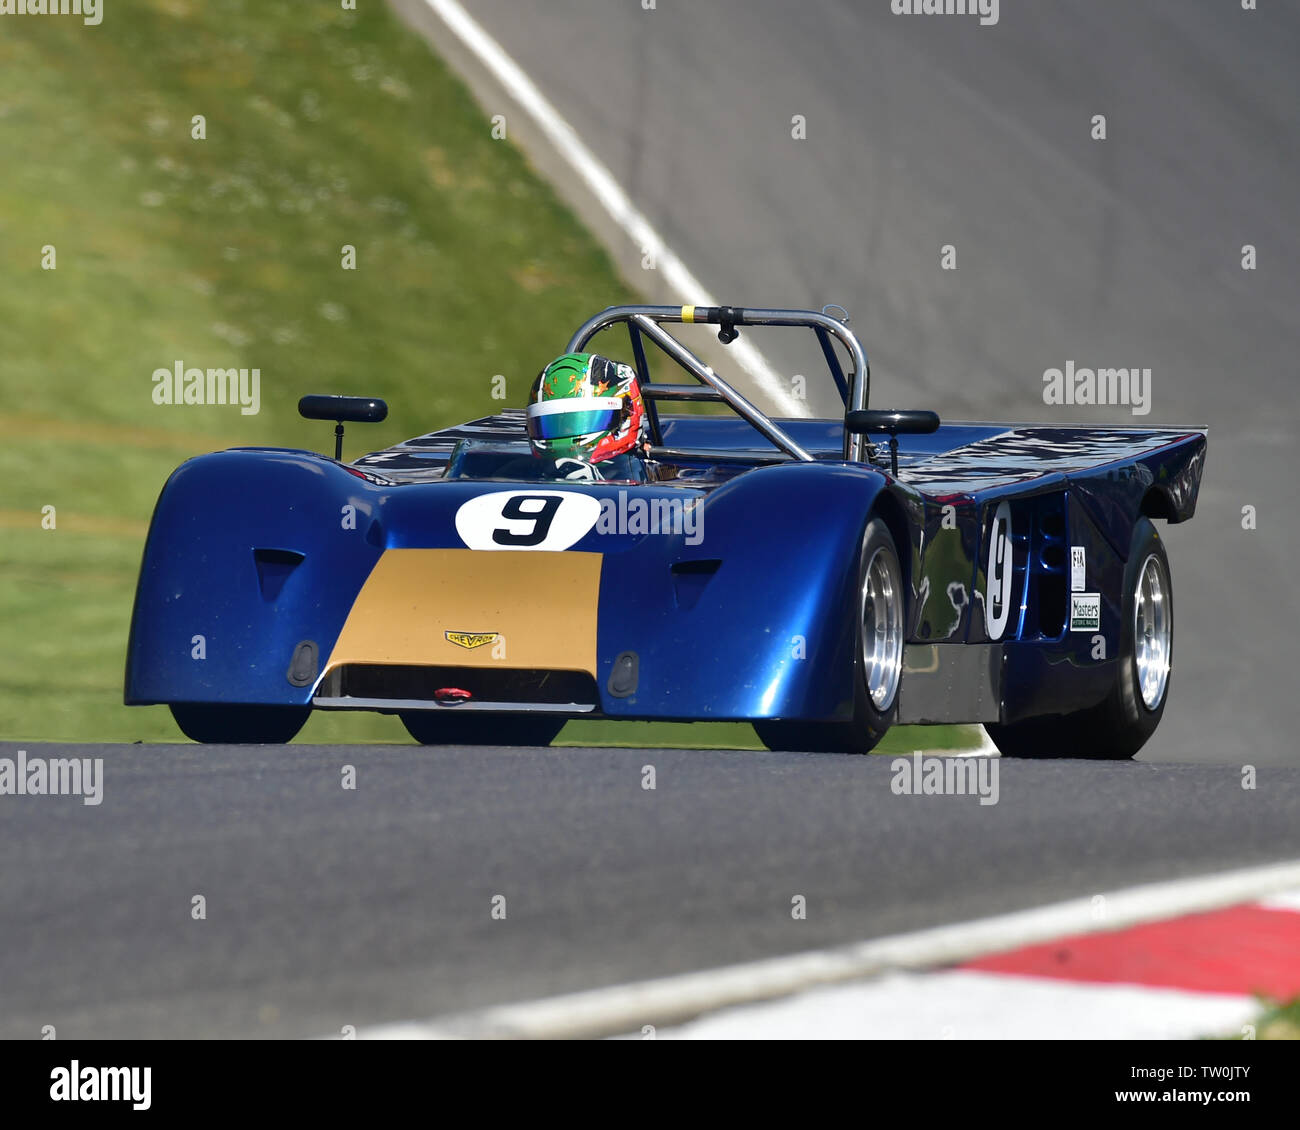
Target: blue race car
x=591, y=556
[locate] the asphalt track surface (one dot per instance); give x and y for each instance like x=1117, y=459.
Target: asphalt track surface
x=328, y=907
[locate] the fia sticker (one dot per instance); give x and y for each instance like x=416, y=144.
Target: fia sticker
x=1085, y=612
x=1078, y=568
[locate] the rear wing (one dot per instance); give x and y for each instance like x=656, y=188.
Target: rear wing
x=977, y=459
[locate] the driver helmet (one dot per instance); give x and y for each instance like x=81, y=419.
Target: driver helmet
x=587, y=407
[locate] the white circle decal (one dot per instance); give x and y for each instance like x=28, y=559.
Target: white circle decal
x=526, y=519
x=997, y=595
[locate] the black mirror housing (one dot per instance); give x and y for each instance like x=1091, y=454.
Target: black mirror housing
x=907, y=421
x=349, y=409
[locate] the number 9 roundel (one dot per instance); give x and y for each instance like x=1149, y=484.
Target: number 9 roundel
x=526, y=519
x=997, y=599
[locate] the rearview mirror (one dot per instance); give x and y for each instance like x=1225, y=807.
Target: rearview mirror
x=355, y=409
x=909, y=421
x=894, y=422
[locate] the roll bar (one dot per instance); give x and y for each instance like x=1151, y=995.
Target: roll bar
x=649, y=322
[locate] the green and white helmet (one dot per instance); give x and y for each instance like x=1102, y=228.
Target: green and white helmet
x=588, y=407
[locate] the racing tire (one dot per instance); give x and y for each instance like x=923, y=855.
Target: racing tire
x=444, y=727
x=1117, y=727
x=215, y=723
x=878, y=659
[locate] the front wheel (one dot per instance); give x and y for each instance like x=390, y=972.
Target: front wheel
x=214, y=723
x=880, y=623
x=1120, y=725
x=445, y=727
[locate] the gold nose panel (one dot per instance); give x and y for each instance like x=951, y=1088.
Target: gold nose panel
x=423, y=606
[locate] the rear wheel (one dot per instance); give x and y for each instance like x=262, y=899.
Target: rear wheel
x=1119, y=726
x=879, y=614
x=445, y=727
x=214, y=723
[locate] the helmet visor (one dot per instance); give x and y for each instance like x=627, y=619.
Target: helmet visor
x=574, y=416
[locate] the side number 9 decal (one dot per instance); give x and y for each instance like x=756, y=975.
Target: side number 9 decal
x=542, y=519
x=997, y=596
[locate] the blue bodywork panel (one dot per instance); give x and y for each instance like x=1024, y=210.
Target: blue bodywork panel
x=254, y=551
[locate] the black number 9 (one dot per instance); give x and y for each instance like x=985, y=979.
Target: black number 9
x=541, y=519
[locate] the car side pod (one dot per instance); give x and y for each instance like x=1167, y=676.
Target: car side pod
x=894, y=422
x=356, y=409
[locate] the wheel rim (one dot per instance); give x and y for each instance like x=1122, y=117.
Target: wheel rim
x=882, y=628
x=1152, y=631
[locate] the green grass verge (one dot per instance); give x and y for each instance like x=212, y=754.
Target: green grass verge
x=324, y=128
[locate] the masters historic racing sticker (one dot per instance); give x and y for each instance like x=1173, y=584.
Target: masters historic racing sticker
x=1085, y=612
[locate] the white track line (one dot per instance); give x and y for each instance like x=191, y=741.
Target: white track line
x=962, y=1004
x=669, y=1000
x=604, y=187
x=1287, y=900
